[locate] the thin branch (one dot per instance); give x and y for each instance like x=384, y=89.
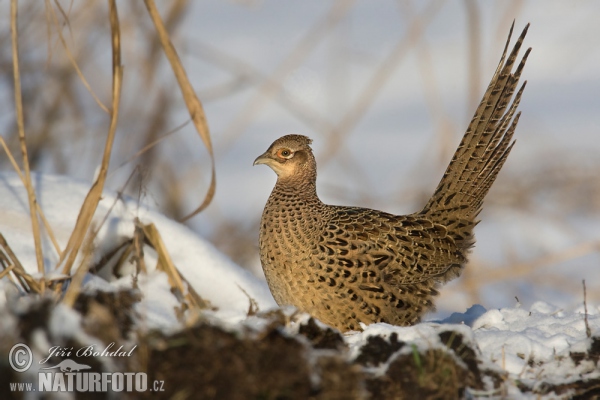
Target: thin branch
x=150, y=145
x=588, y=331
x=72, y=58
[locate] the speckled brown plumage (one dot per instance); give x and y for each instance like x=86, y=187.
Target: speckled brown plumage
x=346, y=265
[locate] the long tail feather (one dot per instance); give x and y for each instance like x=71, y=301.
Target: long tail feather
x=486, y=143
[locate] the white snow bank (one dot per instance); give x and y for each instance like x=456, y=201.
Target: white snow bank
x=521, y=340
x=532, y=346
x=211, y=274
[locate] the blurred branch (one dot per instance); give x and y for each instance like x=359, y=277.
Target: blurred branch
x=378, y=79
x=246, y=73
x=474, y=71
x=270, y=87
x=441, y=143
x=491, y=275
x=72, y=59
x=150, y=145
x=512, y=9
x=356, y=112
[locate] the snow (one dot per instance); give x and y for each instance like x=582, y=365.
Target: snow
x=511, y=337
x=515, y=340
x=421, y=337
x=210, y=273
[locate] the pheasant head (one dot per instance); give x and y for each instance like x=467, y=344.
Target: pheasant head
x=291, y=158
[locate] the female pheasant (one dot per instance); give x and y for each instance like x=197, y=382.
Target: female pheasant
x=346, y=265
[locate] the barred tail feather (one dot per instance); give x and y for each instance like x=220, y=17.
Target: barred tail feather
x=486, y=143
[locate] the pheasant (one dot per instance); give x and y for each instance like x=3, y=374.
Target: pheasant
x=351, y=265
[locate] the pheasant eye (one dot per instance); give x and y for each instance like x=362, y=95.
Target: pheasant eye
x=285, y=153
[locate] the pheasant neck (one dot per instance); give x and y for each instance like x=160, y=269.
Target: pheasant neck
x=306, y=189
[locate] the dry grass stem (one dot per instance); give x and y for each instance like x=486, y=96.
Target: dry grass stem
x=93, y=197
x=174, y=14
x=118, y=198
x=35, y=225
x=41, y=214
x=26, y=281
x=165, y=264
x=74, y=288
x=6, y=271
x=191, y=100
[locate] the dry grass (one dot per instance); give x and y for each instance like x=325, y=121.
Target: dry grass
x=187, y=295
x=81, y=240
x=12, y=267
x=35, y=224
x=92, y=199
x=189, y=95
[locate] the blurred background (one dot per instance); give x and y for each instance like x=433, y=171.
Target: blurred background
x=385, y=89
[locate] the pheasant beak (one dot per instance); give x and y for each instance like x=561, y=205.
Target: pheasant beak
x=262, y=159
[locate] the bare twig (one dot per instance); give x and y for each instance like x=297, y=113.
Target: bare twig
x=588, y=331
x=150, y=146
x=252, y=304
x=70, y=55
